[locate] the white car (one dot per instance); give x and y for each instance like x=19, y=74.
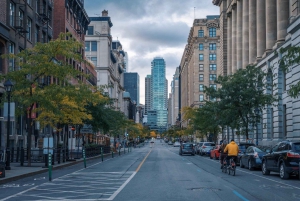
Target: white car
x=176, y=144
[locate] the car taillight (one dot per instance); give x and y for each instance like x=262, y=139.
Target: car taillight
x=204, y=147
x=293, y=155
x=255, y=155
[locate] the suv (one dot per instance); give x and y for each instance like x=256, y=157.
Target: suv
x=187, y=148
x=206, y=147
x=283, y=158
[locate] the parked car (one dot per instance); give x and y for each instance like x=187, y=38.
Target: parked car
x=170, y=142
x=243, y=146
x=283, y=158
x=176, y=144
x=205, y=148
x=252, y=157
x=187, y=148
x=214, y=153
x=197, y=147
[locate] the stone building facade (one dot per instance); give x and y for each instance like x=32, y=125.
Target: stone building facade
x=256, y=31
x=200, y=63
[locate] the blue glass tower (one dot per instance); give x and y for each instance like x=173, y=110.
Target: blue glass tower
x=159, y=92
x=132, y=85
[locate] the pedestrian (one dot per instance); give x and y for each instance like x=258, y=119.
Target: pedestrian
x=222, y=154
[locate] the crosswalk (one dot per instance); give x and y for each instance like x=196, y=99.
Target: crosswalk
x=79, y=186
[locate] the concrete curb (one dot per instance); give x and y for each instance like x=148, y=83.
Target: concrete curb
x=6, y=180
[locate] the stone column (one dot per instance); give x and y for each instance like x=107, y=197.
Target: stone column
x=260, y=28
x=233, y=40
x=252, y=31
x=229, y=44
x=245, y=33
x=282, y=19
x=239, y=38
x=271, y=25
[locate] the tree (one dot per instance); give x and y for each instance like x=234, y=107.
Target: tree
x=239, y=95
x=57, y=102
x=291, y=57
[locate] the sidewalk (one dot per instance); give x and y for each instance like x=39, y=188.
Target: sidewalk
x=19, y=172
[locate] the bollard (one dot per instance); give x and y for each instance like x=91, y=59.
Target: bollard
x=83, y=154
x=22, y=157
x=50, y=166
x=18, y=154
x=101, y=154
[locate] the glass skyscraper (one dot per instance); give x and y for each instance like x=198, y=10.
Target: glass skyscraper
x=159, y=92
x=132, y=85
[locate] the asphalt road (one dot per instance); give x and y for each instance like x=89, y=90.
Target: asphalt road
x=152, y=174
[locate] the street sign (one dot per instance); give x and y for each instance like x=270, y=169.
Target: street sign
x=86, y=129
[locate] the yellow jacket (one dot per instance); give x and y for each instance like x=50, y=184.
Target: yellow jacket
x=232, y=149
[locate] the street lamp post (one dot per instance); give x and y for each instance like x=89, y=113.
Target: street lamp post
x=256, y=111
x=8, y=87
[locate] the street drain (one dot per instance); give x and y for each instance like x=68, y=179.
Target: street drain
x=205, y=189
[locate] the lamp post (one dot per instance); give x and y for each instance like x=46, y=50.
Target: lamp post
x=8, y=87
x=256, y=111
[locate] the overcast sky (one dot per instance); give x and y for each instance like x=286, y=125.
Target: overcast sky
x=151, y=28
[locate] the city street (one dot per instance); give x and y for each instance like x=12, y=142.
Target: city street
x=152, y=174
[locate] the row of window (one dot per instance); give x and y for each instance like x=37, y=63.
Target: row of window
x=212, y=46
x=212, y=77
x=212, y=67
x=212, y=32
x=90, y=46
x=201, y=87
x=201, y=98
x=212, y=57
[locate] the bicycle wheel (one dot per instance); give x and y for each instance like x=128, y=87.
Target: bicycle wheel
x=229, y=170
x=233, y=170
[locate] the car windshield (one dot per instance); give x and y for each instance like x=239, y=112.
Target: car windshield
x=209, y=144
x=296, y=147
x=187, y=146
x=259, y=149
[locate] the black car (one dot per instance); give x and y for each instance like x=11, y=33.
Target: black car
x=187, y=148
x=243, y=146
x=283, y=158
x=252, y=158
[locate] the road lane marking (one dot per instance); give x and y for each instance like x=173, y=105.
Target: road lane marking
x=143, y=161
x=240, y=196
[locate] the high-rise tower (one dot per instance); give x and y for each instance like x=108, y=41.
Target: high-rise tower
x=147, y=94
x=159, y=91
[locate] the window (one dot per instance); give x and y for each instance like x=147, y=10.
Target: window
x=201, y=58
x=11, y=62
x=212, y=32
x=29, y=23
x=12, y=8
x=201, y=97
x=90, y=30
x=212, y=98
x=201, y=47
x=21, y=18
x=212, y=57
x=29, y=2
x=213, y=67
x=37, y=34
x=44, y=37
x=201, y=67
x=201, y=87
x=50, y=16
x=91, y=46
x=201, y=77
x=37, y=6
x=212, y=46
x=213, y=86
x=212, y=77
x=201, y=33
x=94, y=60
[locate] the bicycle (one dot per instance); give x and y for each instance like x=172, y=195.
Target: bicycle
x=232, y=166
x=224, y=165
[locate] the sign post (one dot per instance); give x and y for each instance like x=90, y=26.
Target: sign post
x=50, y=166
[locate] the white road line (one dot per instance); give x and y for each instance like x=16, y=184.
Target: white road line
x=121, y=187
x=260, y=176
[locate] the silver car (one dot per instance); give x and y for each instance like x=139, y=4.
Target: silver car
x=206, y=147
x=197, y=148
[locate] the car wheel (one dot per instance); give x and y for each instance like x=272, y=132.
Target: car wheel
x=241, y=164
x=250, y=166
x=264, y=169
x=282, y=172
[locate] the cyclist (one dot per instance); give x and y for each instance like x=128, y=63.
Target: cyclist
x=222, y=154
x=232, y=150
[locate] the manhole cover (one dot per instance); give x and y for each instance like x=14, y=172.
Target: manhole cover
x=204, y=189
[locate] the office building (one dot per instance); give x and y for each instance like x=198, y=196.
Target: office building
x=132, y=85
